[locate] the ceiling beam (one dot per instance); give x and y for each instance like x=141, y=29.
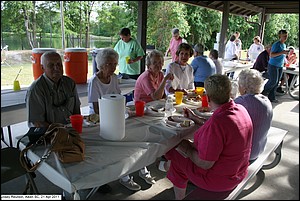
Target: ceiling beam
x=247, y=6
x=282, y=10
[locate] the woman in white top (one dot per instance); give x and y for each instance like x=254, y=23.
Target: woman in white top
x=255, y=49
x=104, y=81
x=181, y=70
x=214, y=55
x=231, y=51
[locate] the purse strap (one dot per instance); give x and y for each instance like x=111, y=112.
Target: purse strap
x=26, y=163
x=42, y=140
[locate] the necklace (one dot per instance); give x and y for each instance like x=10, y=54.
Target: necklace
x=182, y=69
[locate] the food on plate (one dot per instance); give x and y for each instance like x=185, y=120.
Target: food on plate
x=170, y=118
x=94, y=118
x=157, y=108
x=195, y=98
x=130, y=108
x=186, y=123
x=203, y=109
x=183, y=122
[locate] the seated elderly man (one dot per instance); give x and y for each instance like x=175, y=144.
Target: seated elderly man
x=258, y=106
x=218, y=158
x=53, y=97
x=151, y=83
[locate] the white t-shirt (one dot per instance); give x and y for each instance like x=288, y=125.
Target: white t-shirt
x=96, y=89
x=183, y=77
x=230, y=50
x=255, y=50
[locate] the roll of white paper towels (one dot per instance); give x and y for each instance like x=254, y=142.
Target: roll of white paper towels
x=112, y=116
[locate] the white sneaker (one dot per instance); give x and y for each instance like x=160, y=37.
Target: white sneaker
x=130, y=184
x=147, y=177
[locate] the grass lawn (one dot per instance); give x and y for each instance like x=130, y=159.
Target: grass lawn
x=25, y=78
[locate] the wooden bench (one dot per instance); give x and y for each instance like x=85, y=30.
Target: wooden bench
x=274, y=144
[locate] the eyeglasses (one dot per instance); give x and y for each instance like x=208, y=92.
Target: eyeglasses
x=111, y=65
x=155, y=63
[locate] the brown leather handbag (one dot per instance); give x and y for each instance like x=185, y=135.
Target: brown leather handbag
x=65, y=142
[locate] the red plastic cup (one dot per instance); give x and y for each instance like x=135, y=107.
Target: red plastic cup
x=204, y=101
x=76, y=121
x=139, y=108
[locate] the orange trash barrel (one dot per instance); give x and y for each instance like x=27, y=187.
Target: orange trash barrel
x=76, y=64
x=36, y=61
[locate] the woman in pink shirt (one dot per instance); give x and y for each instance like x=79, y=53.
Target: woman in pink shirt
x=175, y=41
x=218, y=158
x=150, y=84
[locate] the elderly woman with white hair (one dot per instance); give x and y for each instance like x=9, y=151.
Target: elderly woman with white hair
x=151, y=83
x=104, y=81
x=258, y=106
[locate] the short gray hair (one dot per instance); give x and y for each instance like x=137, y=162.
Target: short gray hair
x=104, y=55
x=152, y=54
x=46, y=55
x=218, y=88
x=175, y=31
x=251, y=80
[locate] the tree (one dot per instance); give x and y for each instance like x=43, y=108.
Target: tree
x=14, y=11
x=160, y=23
x=111, y=18
x=205, y=24
x=289, y=22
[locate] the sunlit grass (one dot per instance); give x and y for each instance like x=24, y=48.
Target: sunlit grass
x=25, y=78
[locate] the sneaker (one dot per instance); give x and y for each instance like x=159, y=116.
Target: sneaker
x=147, y=177
x=130, y=184
x=279, y=90
x=275, y=101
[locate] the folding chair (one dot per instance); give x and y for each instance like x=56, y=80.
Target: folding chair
x=11, y=168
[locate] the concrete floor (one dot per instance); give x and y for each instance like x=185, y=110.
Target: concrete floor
x=280, y=183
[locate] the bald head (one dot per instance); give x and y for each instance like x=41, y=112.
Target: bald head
x=52, y=65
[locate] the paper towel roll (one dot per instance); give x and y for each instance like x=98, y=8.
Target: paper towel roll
x=112, y=116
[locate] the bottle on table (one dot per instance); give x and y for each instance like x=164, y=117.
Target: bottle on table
x=169, y=108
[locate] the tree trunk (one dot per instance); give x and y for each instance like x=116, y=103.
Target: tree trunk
x=26, y=20
x=80, y=30
x=34, y=25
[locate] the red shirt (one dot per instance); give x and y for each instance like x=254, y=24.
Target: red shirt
x=226, y=139
x=173, y=47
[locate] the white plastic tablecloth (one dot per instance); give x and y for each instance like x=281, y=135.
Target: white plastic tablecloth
x=146, y=139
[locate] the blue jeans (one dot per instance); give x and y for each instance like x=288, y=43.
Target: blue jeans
x=270, y=87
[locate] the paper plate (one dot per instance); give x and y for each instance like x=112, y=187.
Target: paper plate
x=157, y=109
x=177, y=122
x=199, y=111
